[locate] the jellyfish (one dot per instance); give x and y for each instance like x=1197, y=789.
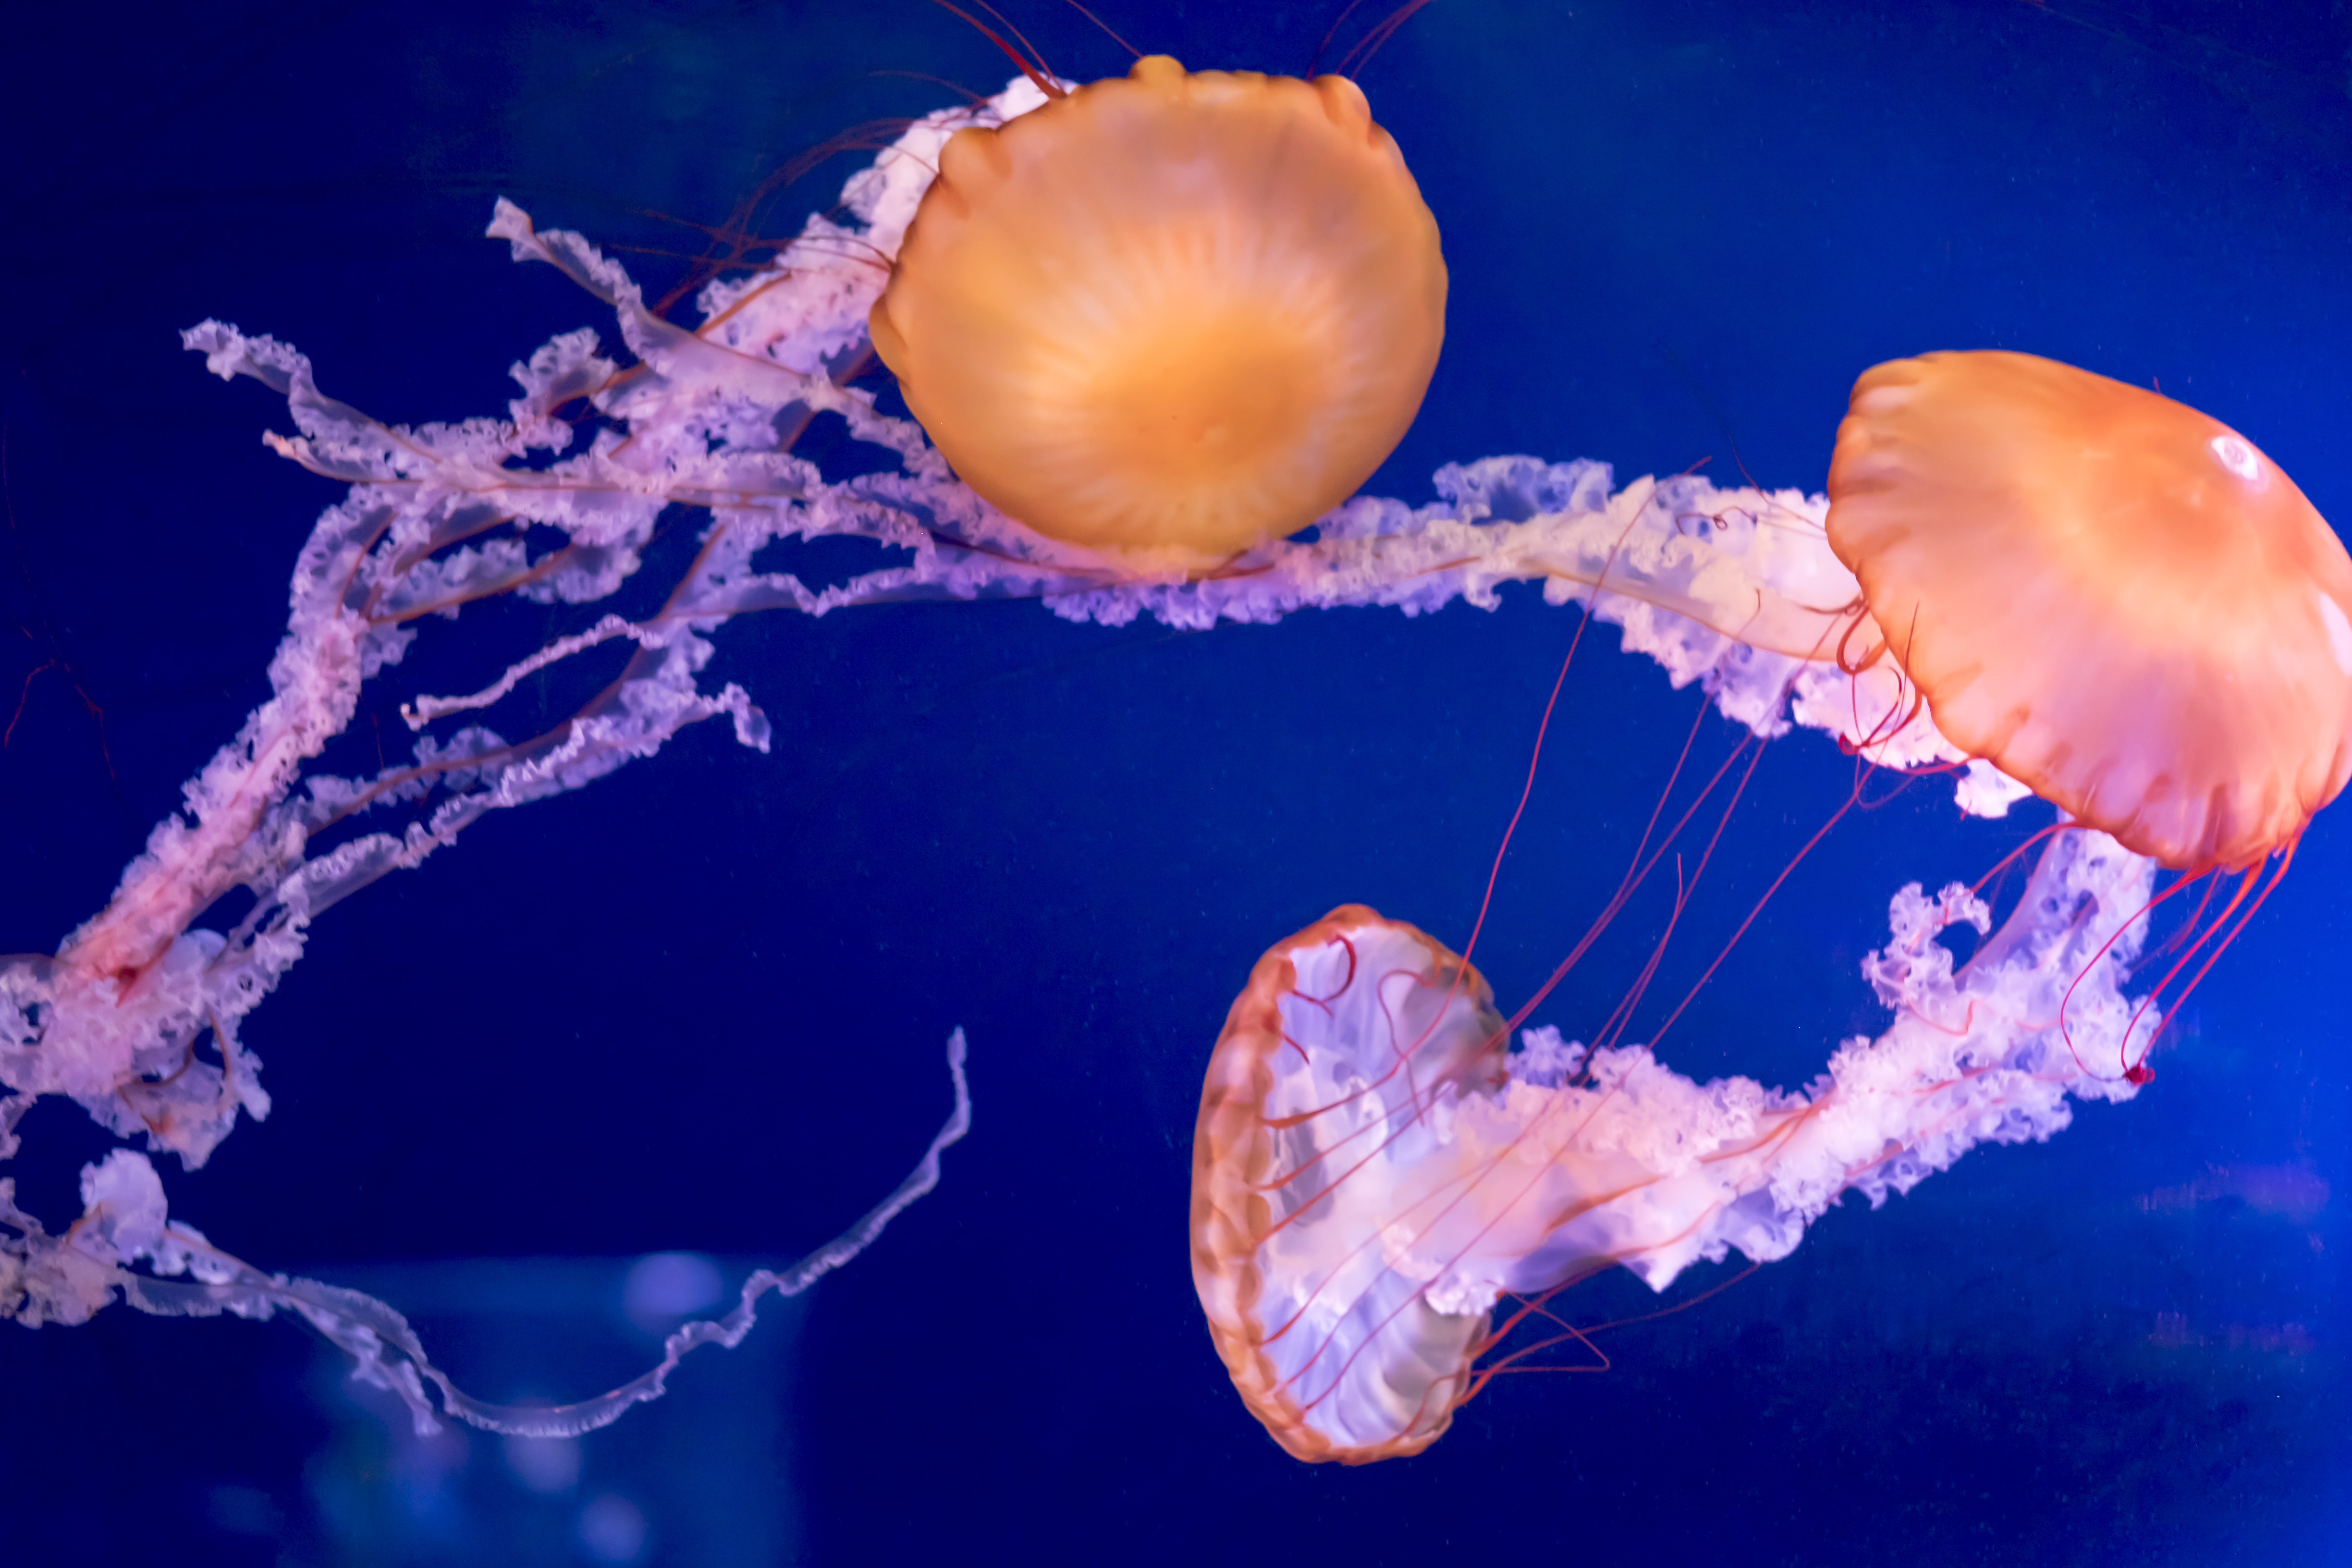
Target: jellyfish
x=2114, y=599
x=1372, y=1170
x=1169, y=315
x=2099, y=594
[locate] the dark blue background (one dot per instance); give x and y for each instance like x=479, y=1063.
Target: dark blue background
x=701, y=1004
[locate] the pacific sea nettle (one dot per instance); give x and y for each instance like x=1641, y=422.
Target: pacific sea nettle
x=1372, y=1170
x=2117, y=600
x=1172, y=315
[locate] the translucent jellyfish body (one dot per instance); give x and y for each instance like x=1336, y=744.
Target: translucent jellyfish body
x=1372, y=1171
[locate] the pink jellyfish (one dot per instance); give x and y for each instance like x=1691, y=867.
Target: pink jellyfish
x=1372, y=1171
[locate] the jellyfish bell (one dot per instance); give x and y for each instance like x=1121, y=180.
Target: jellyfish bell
x=1308, y=1124
x=1172, y=315
x=2115, y=599
x=1371, y=1174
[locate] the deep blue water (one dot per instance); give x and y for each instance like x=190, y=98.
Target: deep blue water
x=701, y=1004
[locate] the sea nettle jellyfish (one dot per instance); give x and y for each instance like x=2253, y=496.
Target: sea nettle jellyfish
x=1172, y=315
x=2106, y=596
x=2117, y=600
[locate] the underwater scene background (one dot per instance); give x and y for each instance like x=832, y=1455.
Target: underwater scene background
x=569, y=1082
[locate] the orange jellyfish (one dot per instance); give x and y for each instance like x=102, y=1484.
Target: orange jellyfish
x=2118, y=601
x=1168, y=316
x=2112, y=599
